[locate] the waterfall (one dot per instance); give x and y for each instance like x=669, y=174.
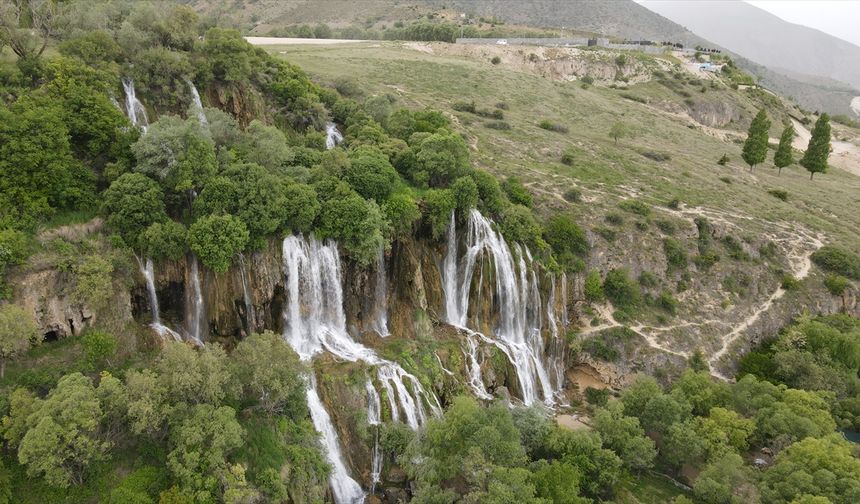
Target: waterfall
x=198, y=105
x=345, y=489
x=135, y=110
x=564, y=319
x=381, y=293
x=196, y=317
x=374, y=418
x=517, y=297
x=148, y=271
x=332, y=136
x=250, y=313
x=476, y=381
x=557, y=346
x=314, y=321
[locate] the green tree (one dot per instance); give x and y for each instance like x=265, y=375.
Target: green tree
x=518, y=224
x=822, y=467
x=357, y=224
x=194, y=376
x=490, y=193
x=621, y=289
x=266, y=146
x=99, y=346
x=64, y=438
x=301, y=207
x=438, y=205
x=783, y=156
x=726, y=481
x=797, y=415
x=259, y=201
x=147, y=402
x=618, y=130
x=755, y=146
x=466, y=194
x=216, y=239
x=818, y=150
x=164, y=240
x=444, y=157
x=623, y=435
x=517, y=192
x=564, y=236
x=17, y=333
x=178, y=153
x=270, y=373
x=559, y=483
x=199, y=446
x=593, y=286
x=370, y=173
x=700, y=391
x=401, y=212
x=132, y=203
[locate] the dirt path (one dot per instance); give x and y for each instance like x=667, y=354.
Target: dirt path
x=261, y=41
x=845, y=155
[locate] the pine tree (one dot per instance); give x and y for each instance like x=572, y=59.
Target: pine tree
x=783, y=156
x=815, y=158
x=755, y=147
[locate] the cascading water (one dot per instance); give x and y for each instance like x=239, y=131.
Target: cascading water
x=345, y=489
x=518, y=326
x=380, y=322
x=133, y=107
x=556, y=351
x=332, y=136
x=374, y=418
x=198, y=105
x=195, y=315
x=250, y=313
x=148, y=271
x=314, y=321
x=474, y=368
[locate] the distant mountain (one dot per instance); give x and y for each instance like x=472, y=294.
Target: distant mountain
x=766, y=39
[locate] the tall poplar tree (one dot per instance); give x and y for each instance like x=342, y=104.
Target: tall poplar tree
x=755, y=147
x=815, y=158
x=783, y=156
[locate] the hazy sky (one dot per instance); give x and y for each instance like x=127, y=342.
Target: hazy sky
x=840, y=18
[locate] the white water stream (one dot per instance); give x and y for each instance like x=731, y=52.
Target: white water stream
x=333, y=137
x=148, y=271
x=133, y=107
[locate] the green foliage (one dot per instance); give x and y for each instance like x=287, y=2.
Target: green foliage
x=301, y=207
x=200, y=444
x=780, y=194
x=99, y=347
x=593, y=286
x=623, y=435
x=815, y=157
x=559, y=483
x=258, y=200
x=401, y=211
x=816, y=467
x=726, y=480
x=621, y=290
x=18, y=333
x=357, y=224
x=178, y=153
x=442, y=157
x=63, y=433
x=216, y=239
x=267, y=146
x=490, y=193
x=438, y=205
x=94, y=281
x=600, y=467
x=518, y=224
x=724, y=160
x=676, y=255
x=551, y=126
x=618, y=130
x=370, y=173
x=755, y=146
x=564, y=236
x=597, y=397
x=783, y=156
x=40, y=175
x=465, y=193
x=836, y=284
x=635, y=207
x=838, y=260
x=228, y=56
x=702, y=393
x=132, y=203
x=164, y=240
x=517, y=192
x=270, y=373
x=139, y=487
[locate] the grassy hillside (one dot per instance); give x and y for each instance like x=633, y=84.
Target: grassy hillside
x=603, y=170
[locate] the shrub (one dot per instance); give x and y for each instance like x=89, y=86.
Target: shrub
x=648, y=280
x=674, y=203
x=498, y=125
x=465, y=193
x=518, y=224
x=587, y=79
x=517, y=192
x=99, y=346
x=704, y=260
x=94, y=281
x=593, y=287
x=438, y=205
x=370, y=173
x=836, y=284
x=216, y=239
x=567, y=159
x=464, y=106
x=489, y=191
x=621, y=290
x=606, y=233
x=597, y=397
x=401, y=212
x=565, y=236
x=572, y=195
x=496, y=60
x=838, y=260
x=164, y=240
x=779, y=194
x=614, y=218
x=724, y=160
x=667, y=302
x=633, y=97
x=666, y=226
x=790, y=283
x=656, y=155
x=676, y=256
x=551, y=126
x=726, y=180
x=635, y=207
x=502, y=106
